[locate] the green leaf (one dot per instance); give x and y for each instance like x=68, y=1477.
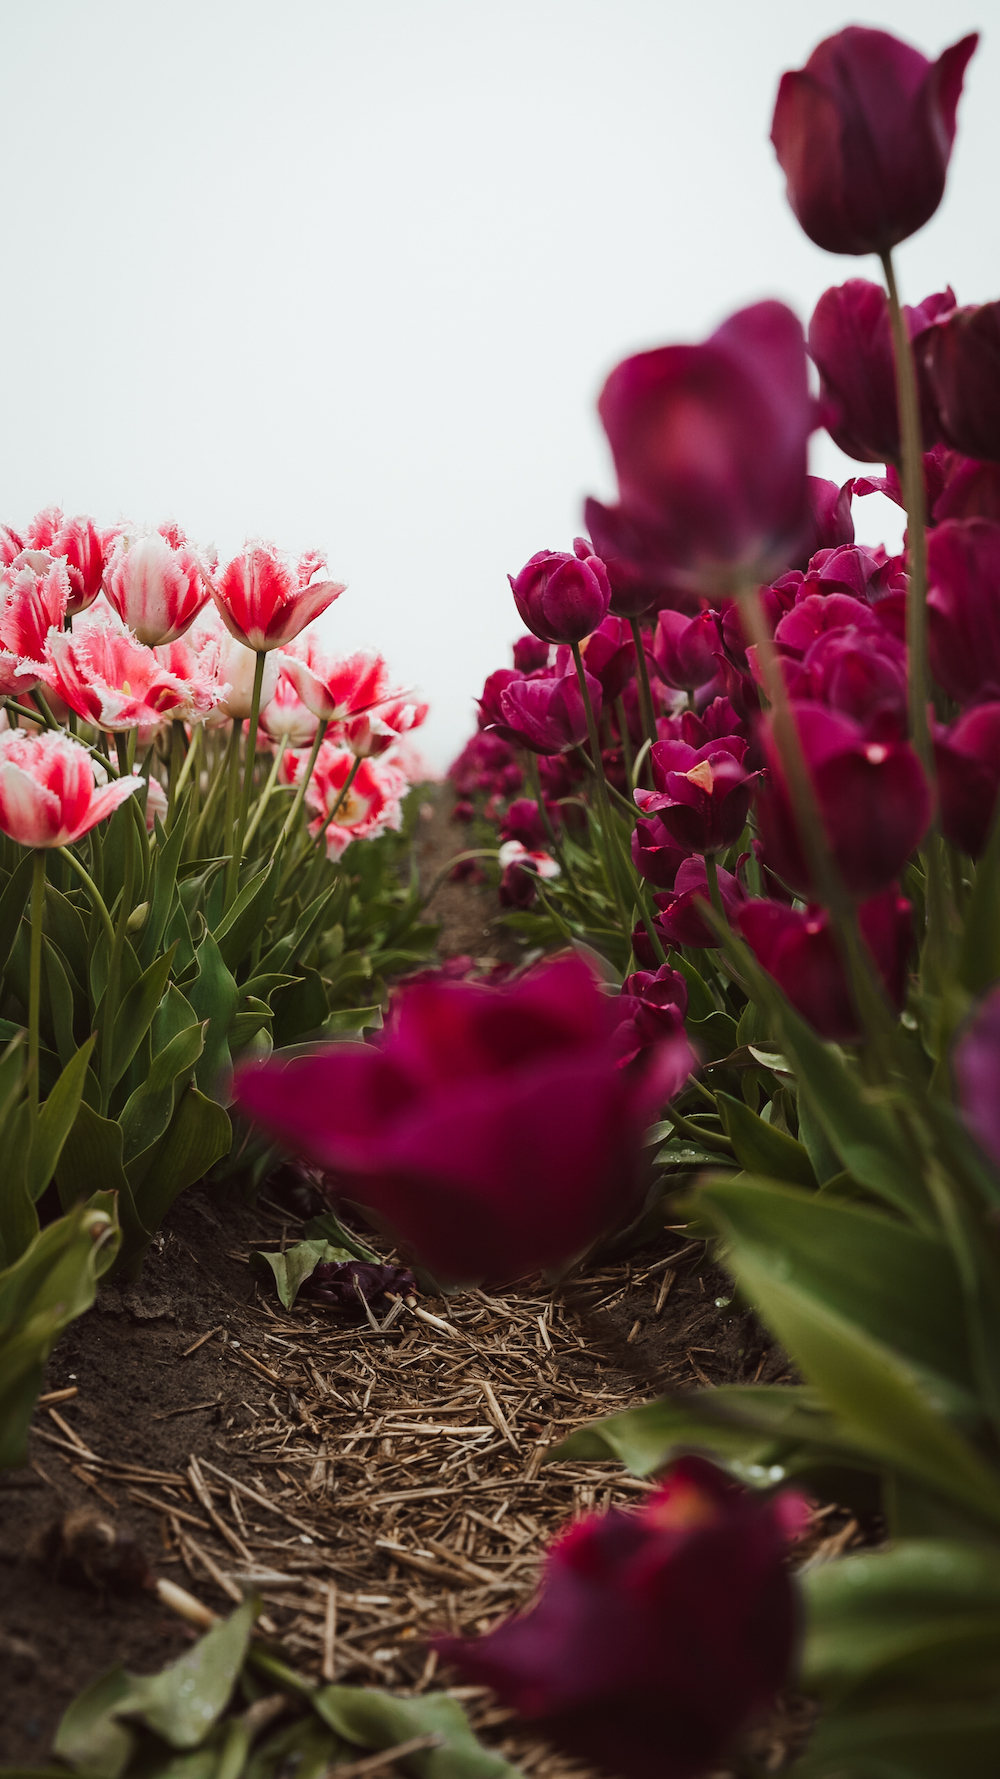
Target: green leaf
x=18, y=1217
x=762, y=1149
x=13, y=902
x=199, y=1134
x=753, y=1428
x=701, y=1002
x=163, y=885
x=714, y=1036
x=247, y=917
x=186, y=1699
x=328, y=1228
x=299, y=1011
x=377, y=1720
x=297, y=1264
x=825, y=1160
x=56, y=1119
x=149, y=1109
x=135, y=1013
x=91, y=1161
x=214, y=997
x=979, y=962
x=89, y=1739
x=346, y=1020
x=910, y=1740
x=59, y=998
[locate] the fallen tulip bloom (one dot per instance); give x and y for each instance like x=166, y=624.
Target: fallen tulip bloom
x=798, y=948
x=264, y=602
x=657, y=1635
x=561, y=596
x=702, y=795
x=960, y=359
x=963, y=608
x=709, y=444
x=975, y=1065
x=156, y=587
x=864, y=133
x=967, y=757
x=49, y=795
x=491, y=1127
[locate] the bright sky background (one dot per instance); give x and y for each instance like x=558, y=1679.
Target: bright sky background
x=350, y=273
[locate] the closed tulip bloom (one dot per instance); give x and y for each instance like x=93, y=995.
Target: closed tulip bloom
x=111, y=680
x=859, y=670
x=850, y=342
x=156, y=588
x=651, y=1009
x=561, y=597
x=967, y=757
x=531, y=653
x=864, y=134
x=608, y=655
x=797, y=947
x=657, y=1635
x=702, y=794
x=684, y=649
x=872, y=795
x=285, y=715
x=490, y=1127
x=265, y=602
x=709, y=444
x=831, y=522
x=523, y=822
x=679, y=920
x=79, y=544
x=971, y=490
x=34, y=595
x=547, y=714
x=961, y=361
x=49, y=794
x=975, y=1066
x=655, y=854
x=963, y=608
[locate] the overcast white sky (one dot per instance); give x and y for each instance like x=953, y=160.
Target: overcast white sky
x=350, y=273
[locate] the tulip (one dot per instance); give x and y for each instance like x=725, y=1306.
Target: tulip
x=651, y=1009
x=709, y=724
x=207, y=650
x=971, y=491
x=531, y=654
x=864, y=134
x=520, y=868
x=487, y=764
x=702, y=795
x=79, y=544
x=798, y=948
x=352, y=799
x=608, y=655
x=117, y=683
x=684, y=649
x=336, y=687
x=523, y=821
x=376, y=731
x=850, y=342
x=548, y=715
x=34, y=596
x=264, y=602
x=49, y=795
x=872, y=795
x=975, y=1065
x=156, y=588
x=967, y=757
x=561, y=597
x=157, y=804
x=859, y=670
x=709, y=444
x=961, y=361
x=491, y=1127
x=285, y=716
x=963, y=608
x=831, y=520
x=679, y=920
x=655, y=854
x=657, y=1635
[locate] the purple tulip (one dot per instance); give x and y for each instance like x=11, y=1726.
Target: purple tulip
x=864, y=134
x=491, y=1127
x=655, y=854
x=975, y=1064
x=709, y=444
x=702, y=795
x=657, y=1635
x=679, y=920
x=548, y=714
x=651, y=1009
x=831, y=522
x=523, y=822
x=684, y=649
x=872, y=796
x=608, y=654
x=963, y=608
x=860, y=671
x=967, y=756
x=971, y=491
x=531, y=654
x=561, y=597
x=961, y=362
x=490, y=712
x=797, y=947
x=850, y=342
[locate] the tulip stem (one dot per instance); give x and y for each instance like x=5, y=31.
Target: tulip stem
x=35, y=977
x=603, y=801
x=645, y=690
x=232, y=769
x=110, y=1012
x=916, y=523
x=625, y=737
x=249, y=764
x=176, y=763
x=303, y=786
x=265, y=795
x=97, y=901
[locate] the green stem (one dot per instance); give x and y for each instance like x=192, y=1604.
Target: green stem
x=35, y=976
x=626, y=738
x=97, y=901
x=319, y=845
x=193, y=752
x=645, y=691
x=249, y=763
x=110, y=1013
x=176, y=761
x=22, y=711
x=912, y=454
x=603, y=802
x=265, y=795
x=232, y=770
x=303, y=785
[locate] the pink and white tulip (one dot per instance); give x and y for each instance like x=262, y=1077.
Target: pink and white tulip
x=337, y=687
x=286, y=717
x=379, y=730
x=117, y=683
x=372, y=806
x=79, y=544
x=49, y=795
x=34, y=595
x=156, y=586
x=264, y=602
x=227, y=664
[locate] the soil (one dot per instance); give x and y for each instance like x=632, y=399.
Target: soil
x=397, y=1474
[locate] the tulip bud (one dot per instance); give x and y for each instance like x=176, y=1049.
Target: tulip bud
x=560, y=597
x=137, y=919
x=850, y=342
x=961, y=361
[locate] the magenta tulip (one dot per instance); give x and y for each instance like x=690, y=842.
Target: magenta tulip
x=679, y=919
x=831, y=522
x=651, y=1009
x=864, y=134
x=657, y=1635
x=701, y=795
x=797, y=947
x=655, y=854
x=961, y=362
x=963, y=608
x=709, y=444
x=608, y=655
x=531, y=654
x=872, y=796
x=547, y=714
x=684, y=649
x=975, y=1066
x=850, y=342
x=967, y=756
x=490, y=1127
x=561, y=597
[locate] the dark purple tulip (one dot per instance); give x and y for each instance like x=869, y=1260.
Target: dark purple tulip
x=797, y=948
x=864, y=134
x=547, y=714
x=860, y=671
x=518, y=887
x=702, y=795
x=490, y=713
x=684, y=649
x=968, y=771
x=961, y=362
x=831, y=523
x=343, y=1283
x=975, y=1064
x=716, y=719
x=531, y=654
x=523, y=822
x=872, y=796
x=651, y=1009
x=963, y=608
x=709, y=444
x=560, y=596
x=657, y=1635
x=679, y=919
x=971, y=491
x=608, y=654
x=655, y=854
x=850, y=341
x=491, y=1127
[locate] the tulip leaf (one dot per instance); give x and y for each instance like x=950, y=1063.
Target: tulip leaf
x=345, y=1021
x=761, y=1148
x=59, y=998
x=377, y=1720
x=906, y=1740
x=979, y=961
x=57, y=1117
x=184, y=1700
x=299, y=1011
x=214, y=997
x=136, y=1011
x=13, y=902
x=199, y=1135
x=247, y=917
x=297, y=1264
x=328, y=1227
x=714, y=1036
x=148, y=1111
x=163, y=885
x=89, y=1738
x=826, y=1162
x=91, y=1161
x=284, y=954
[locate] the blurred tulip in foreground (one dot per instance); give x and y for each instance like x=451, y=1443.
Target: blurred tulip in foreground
x=967, y=757
x=49, y=795
x=975, y=1066
x=864, y=134
x=963, y=608
x=491, y=1127
x=797, y=947
x=657, y=1635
